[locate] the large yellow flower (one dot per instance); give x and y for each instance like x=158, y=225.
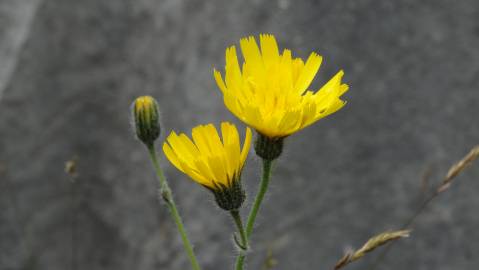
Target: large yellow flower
x=210, y=161
x=269, y=92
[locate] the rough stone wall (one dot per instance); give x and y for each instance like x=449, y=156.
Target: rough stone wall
x=69, y=70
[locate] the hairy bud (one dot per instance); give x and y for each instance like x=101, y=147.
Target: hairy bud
x=146, y=117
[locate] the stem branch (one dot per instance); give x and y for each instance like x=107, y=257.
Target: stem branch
x=239, y=225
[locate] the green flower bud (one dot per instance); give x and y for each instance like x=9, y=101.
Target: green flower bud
x=146, y=117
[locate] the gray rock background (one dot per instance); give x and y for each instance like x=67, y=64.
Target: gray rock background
x=69, y=70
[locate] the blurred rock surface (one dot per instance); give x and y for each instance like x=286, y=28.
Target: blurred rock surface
x=70, y=69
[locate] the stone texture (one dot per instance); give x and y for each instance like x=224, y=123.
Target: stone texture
x=15, y=21
x=70, y=70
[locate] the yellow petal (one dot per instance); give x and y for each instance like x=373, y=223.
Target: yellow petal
x=250, y=51
x=246, y=146
x=290, y=121
x=201, y=141
x=219, y=81
x=171, y=156
x=307, y=74
x=286, y=73
x=233, y=76
x=297, y=68
x=176, y=144
x=189, y=145
x=216, y=165
x=213, y=139
x=196, y=175
x=331, y=90
x=231, y=145
x=204, y=169
x=253, y=61
x=252, y=116
x=269, y=50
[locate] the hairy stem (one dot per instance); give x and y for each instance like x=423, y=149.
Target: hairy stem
x=256, y=205
x=167, y=196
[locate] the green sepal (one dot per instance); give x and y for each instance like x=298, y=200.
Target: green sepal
x=268, y=148
x=231, y=196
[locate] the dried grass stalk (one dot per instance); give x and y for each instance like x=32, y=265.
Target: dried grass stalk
x=454, y=171
x=371, y=244
x=457, y=168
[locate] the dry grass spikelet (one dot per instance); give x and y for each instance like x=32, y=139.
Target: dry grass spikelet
x=370, y=245
x=457, y=168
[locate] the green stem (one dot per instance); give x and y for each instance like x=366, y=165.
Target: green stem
x=239, y=224
x=254, y=210
x=167, y=196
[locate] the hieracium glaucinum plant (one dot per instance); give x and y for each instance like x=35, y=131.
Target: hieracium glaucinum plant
x=270, y=92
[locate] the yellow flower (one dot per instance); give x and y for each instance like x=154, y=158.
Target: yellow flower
x=210, y=161
x=269, y=91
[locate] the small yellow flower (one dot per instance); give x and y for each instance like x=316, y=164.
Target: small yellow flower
x=146, y=117
x=269, y=91
x=212, y=162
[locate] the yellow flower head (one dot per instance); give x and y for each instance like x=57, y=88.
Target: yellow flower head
x=269, y=91
x=146, y=117
x=210, y=161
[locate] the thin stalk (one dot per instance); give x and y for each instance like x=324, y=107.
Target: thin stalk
x=254, y=210
x=167, y=196
x=74, y=224
x=406, y=224
x=239, y=225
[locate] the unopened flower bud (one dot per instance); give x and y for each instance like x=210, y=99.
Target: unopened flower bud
x=146, y=117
